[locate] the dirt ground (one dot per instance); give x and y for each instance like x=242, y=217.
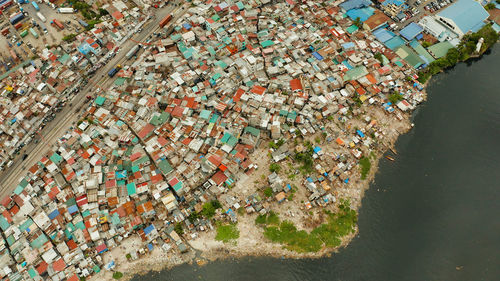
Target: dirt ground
x=54, y=35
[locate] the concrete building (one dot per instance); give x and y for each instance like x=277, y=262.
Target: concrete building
x=463, y=16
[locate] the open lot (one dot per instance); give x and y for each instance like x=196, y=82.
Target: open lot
x=53, y=35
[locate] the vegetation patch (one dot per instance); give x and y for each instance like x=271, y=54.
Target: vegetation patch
x=274, y=168
x=306, y=158
x=326, y=235
x=178, y=228
x=268, y=192
x=464, y=51
x=209, y=208
x=227, y=232
x=365, y=167
x=117, y=275
x=395, y=97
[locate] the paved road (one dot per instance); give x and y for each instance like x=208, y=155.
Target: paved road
x=70, y=114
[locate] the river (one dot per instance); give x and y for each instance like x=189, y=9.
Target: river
x=432, y=210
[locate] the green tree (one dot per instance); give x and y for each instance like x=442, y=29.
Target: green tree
x=426, y=44
x=69, y=37
x=379, y=57
x=490, y=6
x=453, y=55
x=178, y=228
x=274, y=168
x=357, y=22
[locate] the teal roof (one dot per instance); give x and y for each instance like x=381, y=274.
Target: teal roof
x=56, y=158
x=4, y=224
x=131, y=190
x=100, y=100
x=351, y=29
x=251, y=130
x=205, y=114
x=39, y=241
x=267, y=43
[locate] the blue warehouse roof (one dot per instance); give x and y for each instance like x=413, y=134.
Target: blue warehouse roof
x=411, y=31
x=468, y=15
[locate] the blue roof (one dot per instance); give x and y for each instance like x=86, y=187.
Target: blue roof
x=355, y=4
x=466, y=14
x=348, y=45
x=363, y=14
x=54, y=214
x=148, y=229
x=317, y=56
x=383, y=34
x=411, y=31
x=394, y=43
x=394, y=2
x=72, y=209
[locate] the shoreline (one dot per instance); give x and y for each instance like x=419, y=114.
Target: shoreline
x=209, y=250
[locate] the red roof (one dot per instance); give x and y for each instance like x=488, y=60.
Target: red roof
x=59, y=265
x=219, y=178
x=295, y=84
x=259, y=90
x=42, y=267
x=74, y=277
x=238, y=95
x=146, y=130
x=117, y=15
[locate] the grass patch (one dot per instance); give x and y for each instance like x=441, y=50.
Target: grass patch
x=117, y=275
x=227, y=232
x=268, y=192
x=365, y=167
x=326, y=235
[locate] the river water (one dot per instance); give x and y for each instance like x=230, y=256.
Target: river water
x=432, y=210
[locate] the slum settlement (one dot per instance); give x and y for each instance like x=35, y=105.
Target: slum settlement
x=240, y=120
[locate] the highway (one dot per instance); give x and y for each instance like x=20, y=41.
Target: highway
x=69, y=115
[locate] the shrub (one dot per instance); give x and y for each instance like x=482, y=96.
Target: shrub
x=117, y=275
x=178, y=228
x=274, y=168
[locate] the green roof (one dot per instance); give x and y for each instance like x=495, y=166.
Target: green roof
x=39, y=241
x=355, y=73
x=165, y=167
x=158, y=120
x=409, y=56
x=439, y=50
x=251, y=130
x=421, y=51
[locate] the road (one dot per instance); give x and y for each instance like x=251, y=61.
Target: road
x=10, y=177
